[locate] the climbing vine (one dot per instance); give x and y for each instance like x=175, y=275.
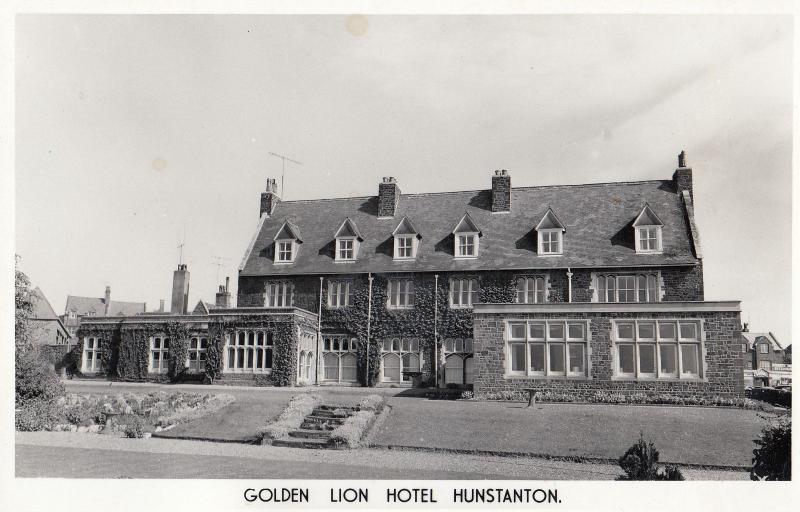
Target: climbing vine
x=178, y=334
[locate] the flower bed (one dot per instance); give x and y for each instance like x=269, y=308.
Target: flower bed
x=607, y=397
x=299, y=407
x=349, y=433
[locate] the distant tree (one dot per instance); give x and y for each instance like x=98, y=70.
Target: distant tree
x=23, y=310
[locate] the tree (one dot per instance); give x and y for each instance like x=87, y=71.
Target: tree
x=772, y=459
x=23, y=310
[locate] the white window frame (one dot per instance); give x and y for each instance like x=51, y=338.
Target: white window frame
x=559, y=234
x=678, y=341
x=341, y=249
x=457, y=290
x=159, y=345
x=252, y=345
x=527, y=286
x=340, y=293
x=401, y=347
x=602, y=289
x=280, y=251
x=397, y=289
x=466, y=238
x=410, y=248
x=550, y=341
x=196, y=356
x=763, y=348
x=91, y=359
x=765, y=364
x=339, y=345
x=656, y=237
x=278, y=294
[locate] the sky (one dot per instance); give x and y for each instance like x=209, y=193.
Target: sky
x=135, y=133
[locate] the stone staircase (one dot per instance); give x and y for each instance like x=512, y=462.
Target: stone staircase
x=315, y=431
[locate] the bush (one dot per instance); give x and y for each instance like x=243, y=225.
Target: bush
x=37, y=415
x=371, y=403
x=35, y=380
x=350, y=432
x=640, y=462
x=780, y=397
x=134, y=427
x=467, y=395
x=772, y=460
x=292, y=417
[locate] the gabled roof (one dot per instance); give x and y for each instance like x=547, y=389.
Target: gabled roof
x=42, y=310
x=96, y=305
x=550, y=221
x=466, y=225
x=288, y=231
x=647, y=217
x=752, y=338
x=598, y=217
x=406, y=228
x=347, y=229
x=202, y=308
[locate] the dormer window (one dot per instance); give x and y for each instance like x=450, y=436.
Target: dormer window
x=466, y=236
x=406, y=239
x=550, y=235
x=287, y=241
x=348, y=239
x=647, y=232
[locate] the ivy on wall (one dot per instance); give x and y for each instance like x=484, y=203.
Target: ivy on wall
x=178, y=334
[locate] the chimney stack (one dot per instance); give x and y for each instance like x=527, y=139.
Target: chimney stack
x=224, y=295
x=108, y=299
x=501, y=191
x=388, y=196
x=270, y=198
x=180, y=290
x=683, y=175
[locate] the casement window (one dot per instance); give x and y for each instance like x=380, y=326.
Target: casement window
x=197, y=354
x=547, y=348
x=648, y=239
x=249, y=352
x=347, y=240
x=467, y=246
x=400, y=294
x=531, y=290
x=657, y=349
x=159, y=354
x=340, y=363
x=765, y=365
x=399, y=356
x=744, y=348
x=340, y=294
x=763, y=348
x=550, y=241
x=285, y=251
x=463, y=293
x=627, y=287
x=459, y=361
x=279, y=295
x=346, y=249
x=305, y=366
x=404, y=247
x=92, y=361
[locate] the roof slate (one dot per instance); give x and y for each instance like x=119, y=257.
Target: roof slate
x=85, y=305
x=598, y=220
x=753, y=337
x=42, y=310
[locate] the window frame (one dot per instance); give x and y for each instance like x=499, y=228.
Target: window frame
x=248, y=342
x=284, y=290
x=96, y=352
x=354, y=248
x=401, y=347
x=279, y=251
x=412, y=248
x=335, y=290
x=475, y=245
x=540, y=235
x=393, y=293
x=526, y=289
x=674, y=343
x=552, y=343
x=163, y=354
x=339, y=346
x=473, y=292
x=657, y=238
x=763, y=348
x=601, y=287
x=200, y=352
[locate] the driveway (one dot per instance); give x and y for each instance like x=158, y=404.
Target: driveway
x=687, y=435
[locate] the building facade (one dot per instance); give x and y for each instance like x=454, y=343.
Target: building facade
x=764, y=363
x=584, y=287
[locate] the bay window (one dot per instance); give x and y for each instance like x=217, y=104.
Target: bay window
x=657, y=349
x=547, y=348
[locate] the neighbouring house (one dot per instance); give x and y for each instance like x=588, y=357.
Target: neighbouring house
x=47, y=327
x=764, y=363
x=576, y=288
x=78, y=308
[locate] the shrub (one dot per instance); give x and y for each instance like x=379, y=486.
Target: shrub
x=134, y=427
x=371, y=403
x=34, y=379
x=37, y=415
x=80, y=414
x=350, y=432
x=292, y=417
x=467, y=395
x=640, y=462
x=772, y=460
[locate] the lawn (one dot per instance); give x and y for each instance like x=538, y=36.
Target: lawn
x=687, y=435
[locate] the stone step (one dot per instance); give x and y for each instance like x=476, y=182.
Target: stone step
x=295, y=442
x=324, y=419
x=332, y=413
x=321, y=427
x=310, y=434
x=330, y=407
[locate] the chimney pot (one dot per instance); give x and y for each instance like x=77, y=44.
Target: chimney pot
x=269, y=198
x=501, y=191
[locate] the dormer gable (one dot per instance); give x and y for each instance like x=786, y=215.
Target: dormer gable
x=348, y=239
x=647, y=229
x=348, y=229
x=466, y=236
x=286, y=242
x=550, y=234
x=406, y=240
x=550, y=221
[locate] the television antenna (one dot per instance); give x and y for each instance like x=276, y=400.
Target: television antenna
x=220, y=262
x=283, y=166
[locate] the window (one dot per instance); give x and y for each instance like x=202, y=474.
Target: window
x=648, y=239
x=159, y=352
x=400, y=294
x=463, y=293
x=467, y=246
x=550, y=241
x=285, y=252
x=657, y=349
x=345, y=249
x=197, y=354
x=765, y=365
x=92, y=361
x=744, y=348
x=627, y=288
x=748, y=365
x=763, y=348
x=249, y=352
x=340, y=294
x=399, y=356
x=339, y=359
x=530, y=290
x=72, y=315
x=404, y=247
x=545, y=348
x=279, y=295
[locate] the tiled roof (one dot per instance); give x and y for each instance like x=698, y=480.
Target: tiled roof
x=42, y=310
x=598, y=220
x=755, y=337
x=97, y=306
